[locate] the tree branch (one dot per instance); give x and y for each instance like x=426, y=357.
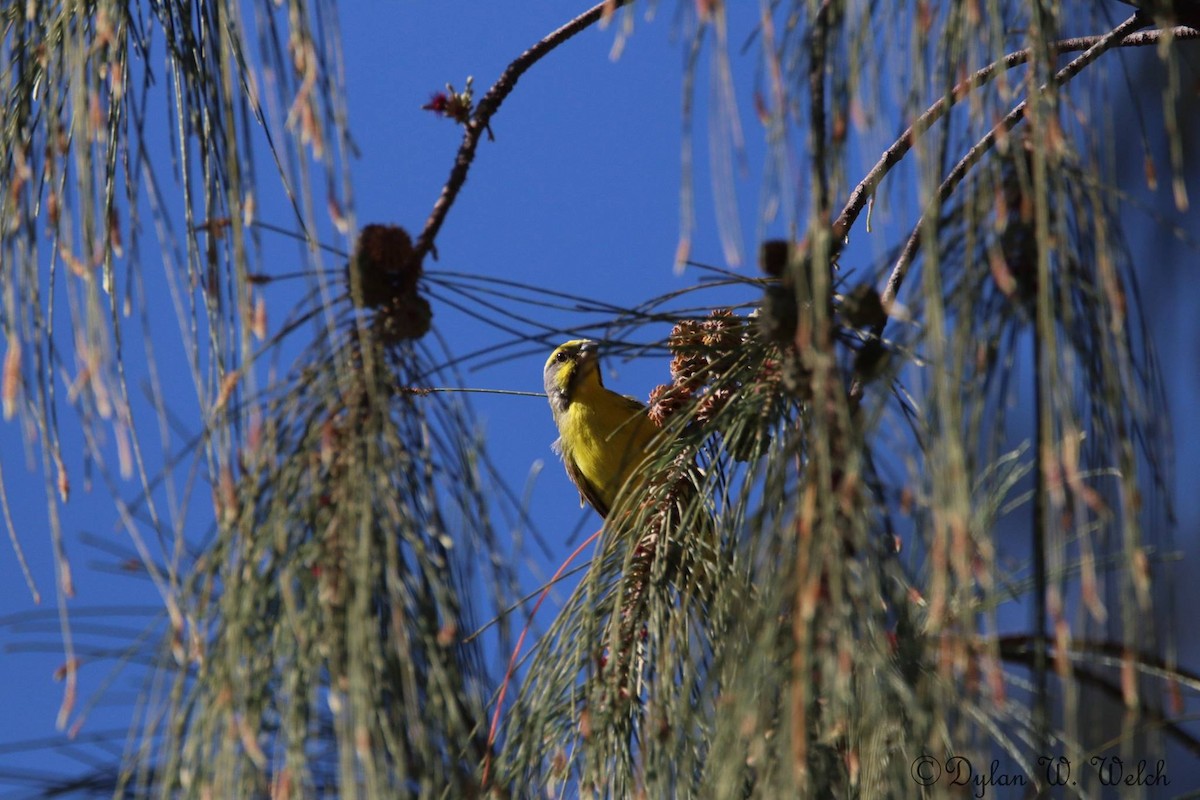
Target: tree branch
x=892, y=156
x=1121, y=36
x=818, y=39
x=976, y=153
x=484, y=111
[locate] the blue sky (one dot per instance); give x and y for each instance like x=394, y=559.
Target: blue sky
x=578, y=193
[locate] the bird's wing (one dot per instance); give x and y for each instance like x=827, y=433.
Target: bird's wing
x=632, y=404
x=587, y=492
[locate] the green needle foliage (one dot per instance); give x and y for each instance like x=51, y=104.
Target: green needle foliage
x=332, y=602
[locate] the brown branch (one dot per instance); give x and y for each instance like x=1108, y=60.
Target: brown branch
x=1022, y=648
x=976, y=153
x=1120, y=36
x=487, y=107
x=892, y=156
x=818, y=40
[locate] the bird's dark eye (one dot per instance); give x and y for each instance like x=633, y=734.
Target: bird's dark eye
x=562, y=356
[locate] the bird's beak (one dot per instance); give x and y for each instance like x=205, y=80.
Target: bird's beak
x=589, y=351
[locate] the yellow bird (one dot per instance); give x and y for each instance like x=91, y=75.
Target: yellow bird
x=604, y=437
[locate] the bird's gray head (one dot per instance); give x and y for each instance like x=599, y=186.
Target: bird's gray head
x=569, y=364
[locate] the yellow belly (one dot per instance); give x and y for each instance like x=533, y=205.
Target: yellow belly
x=608, y=437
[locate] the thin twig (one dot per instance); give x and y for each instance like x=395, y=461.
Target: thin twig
x=1022, y=648
x=976, y=153
x=479, y=122
x=892, y=156
x=1041, y=504
x=818, y=39
x=1121, y=36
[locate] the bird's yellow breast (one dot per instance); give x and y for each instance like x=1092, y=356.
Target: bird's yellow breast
x=608, y=437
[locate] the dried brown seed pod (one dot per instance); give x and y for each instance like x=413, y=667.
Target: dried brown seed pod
x=383, y=260
x=665, y=400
